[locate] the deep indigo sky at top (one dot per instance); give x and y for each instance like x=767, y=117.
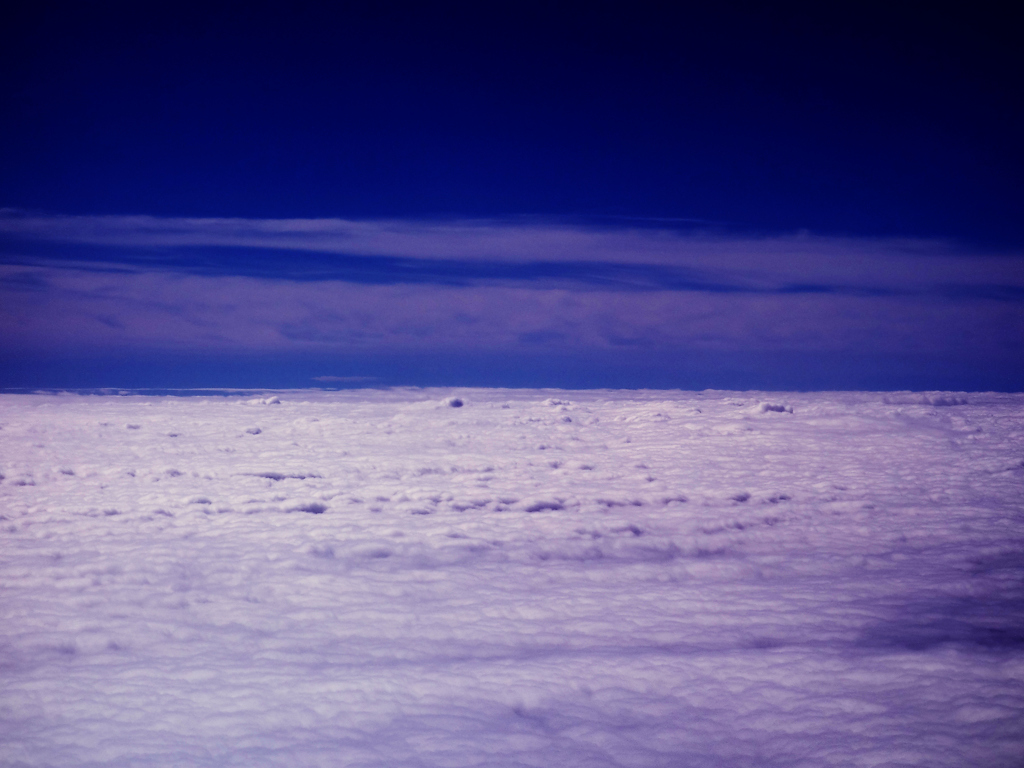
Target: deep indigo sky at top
x=855, y=120
x=748, y=196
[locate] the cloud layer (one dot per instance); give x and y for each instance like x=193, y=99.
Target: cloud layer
x=502, y=286
x=500, y=249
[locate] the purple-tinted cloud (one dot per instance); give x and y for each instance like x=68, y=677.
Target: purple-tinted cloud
x=743, y=262
x=47, y=308
x=893, y=297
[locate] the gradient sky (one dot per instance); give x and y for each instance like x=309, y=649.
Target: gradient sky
x=241, y=195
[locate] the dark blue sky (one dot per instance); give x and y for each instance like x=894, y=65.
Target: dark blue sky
x=655, y=198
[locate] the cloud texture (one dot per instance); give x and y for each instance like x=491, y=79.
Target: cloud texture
x=240, y=285
x=711, y=260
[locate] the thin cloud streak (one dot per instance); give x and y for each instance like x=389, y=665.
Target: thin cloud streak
x=67, y=310
x=511, y=290
x=524, y=250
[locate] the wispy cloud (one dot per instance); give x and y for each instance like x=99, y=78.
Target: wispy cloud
x=522, y=250
x=48, y=308
x=498, y=287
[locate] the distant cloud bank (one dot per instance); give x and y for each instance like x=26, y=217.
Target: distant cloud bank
x=142, y=282
x=801, y=261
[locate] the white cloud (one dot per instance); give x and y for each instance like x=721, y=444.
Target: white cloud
x=744, y=262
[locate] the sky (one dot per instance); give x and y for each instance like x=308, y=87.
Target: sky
x=601, y=195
